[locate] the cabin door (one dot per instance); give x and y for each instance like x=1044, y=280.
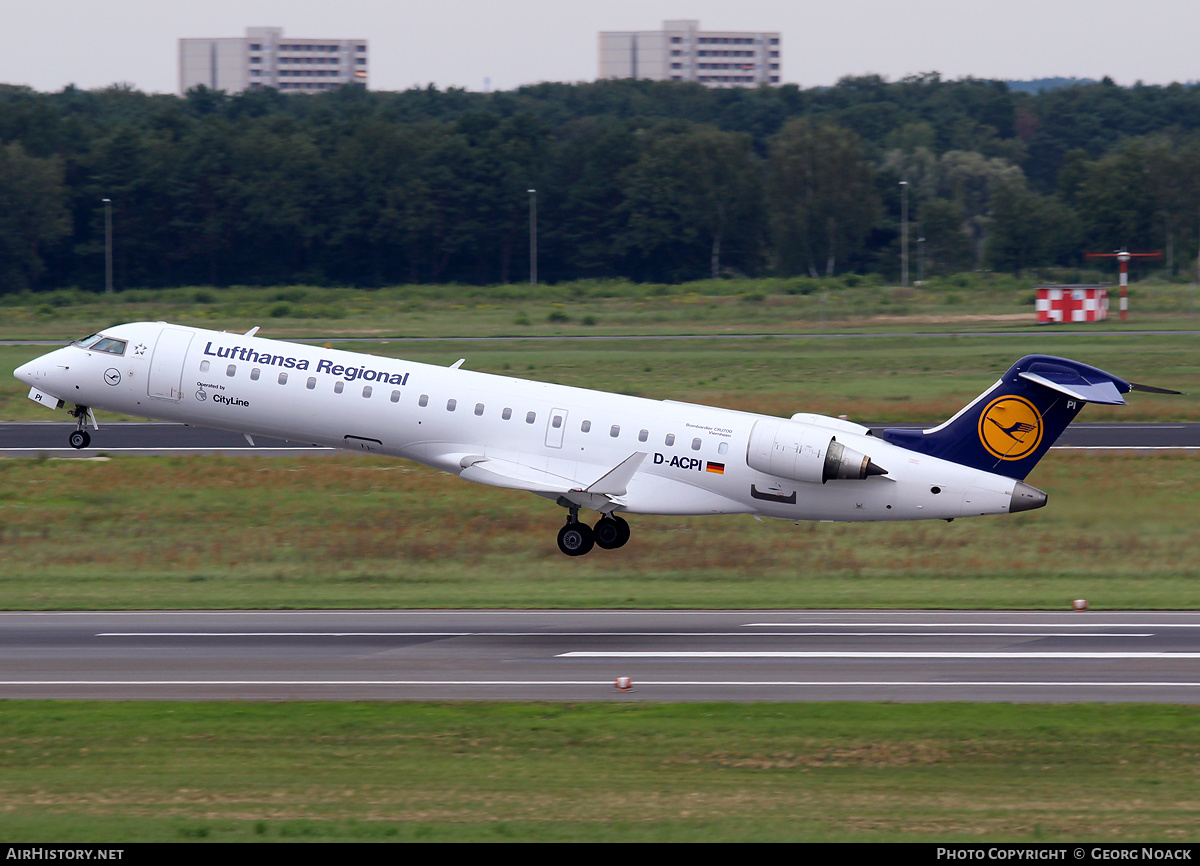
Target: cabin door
x=166, y=364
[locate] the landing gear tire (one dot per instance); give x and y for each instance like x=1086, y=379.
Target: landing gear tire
x=575, y=539
x=80, y=439
x=611, y=532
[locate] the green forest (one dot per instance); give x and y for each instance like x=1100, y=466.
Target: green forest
x=638, y=180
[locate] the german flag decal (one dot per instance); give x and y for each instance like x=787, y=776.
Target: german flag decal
x=718, y=468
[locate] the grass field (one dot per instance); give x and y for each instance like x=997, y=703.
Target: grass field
x=618, y=772
x=352, y=531
x=349, y=531
x=870, y=379
x=966, y=302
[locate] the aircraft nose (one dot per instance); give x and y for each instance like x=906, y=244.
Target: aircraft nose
x=27, y=373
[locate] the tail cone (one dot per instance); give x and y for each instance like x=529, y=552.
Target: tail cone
x=1025, y=498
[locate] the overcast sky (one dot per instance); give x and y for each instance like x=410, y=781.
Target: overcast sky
x=502, y=44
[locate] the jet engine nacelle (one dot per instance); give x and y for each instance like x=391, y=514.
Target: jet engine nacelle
x=803, y=452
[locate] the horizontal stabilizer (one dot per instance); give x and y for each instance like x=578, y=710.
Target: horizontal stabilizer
x=1150, y=389
x=1079, y=388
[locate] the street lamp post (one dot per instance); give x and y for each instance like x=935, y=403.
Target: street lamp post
x=533, y=237
x=904, y=233
x=920, y=260
x=108, y=246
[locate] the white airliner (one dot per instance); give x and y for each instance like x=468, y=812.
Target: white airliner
x=610, y=453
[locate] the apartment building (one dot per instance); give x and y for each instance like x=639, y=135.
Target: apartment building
x=681, y=51
x=264, y=57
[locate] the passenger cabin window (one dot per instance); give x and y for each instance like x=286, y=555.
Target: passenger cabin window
x=339, y=386
x=643, y=435
x=366, y=390
x=670, y=440
x=282, y=379
x=586, y=427
x=424, y=401
x=204, y=365
x=311, y=383
x=506, y=414
x=530, y=417
x=723, y=448
x=614, y=431
x=231, y=370
x=695, y=444
x=451, y=405
x=254, y=374
x=556, y=421
x=395, y=396
x=478, y=408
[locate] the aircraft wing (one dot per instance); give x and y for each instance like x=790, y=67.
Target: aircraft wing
x=596, y=483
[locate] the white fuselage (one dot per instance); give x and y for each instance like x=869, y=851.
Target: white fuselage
x=533, y=435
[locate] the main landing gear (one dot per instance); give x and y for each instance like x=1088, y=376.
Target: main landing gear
x=577, y=538
x=80, y=438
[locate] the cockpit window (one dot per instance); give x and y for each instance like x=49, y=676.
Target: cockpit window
x=101, y=343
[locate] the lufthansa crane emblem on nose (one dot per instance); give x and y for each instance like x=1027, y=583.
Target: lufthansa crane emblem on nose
x=1010, y=428
x=112, y=376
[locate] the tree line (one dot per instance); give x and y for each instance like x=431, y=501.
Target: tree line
x=648, y=181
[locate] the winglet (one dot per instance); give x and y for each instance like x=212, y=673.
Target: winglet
x=615, y=481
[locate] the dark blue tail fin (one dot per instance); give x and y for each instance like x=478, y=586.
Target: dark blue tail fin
x=1010, y=426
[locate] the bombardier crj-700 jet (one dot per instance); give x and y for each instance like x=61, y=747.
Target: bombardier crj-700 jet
x=583, y=449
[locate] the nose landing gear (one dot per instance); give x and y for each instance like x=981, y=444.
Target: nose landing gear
x=80, y=438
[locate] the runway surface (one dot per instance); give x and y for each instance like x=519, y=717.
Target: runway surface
x=576, y=655
x=32, y=439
